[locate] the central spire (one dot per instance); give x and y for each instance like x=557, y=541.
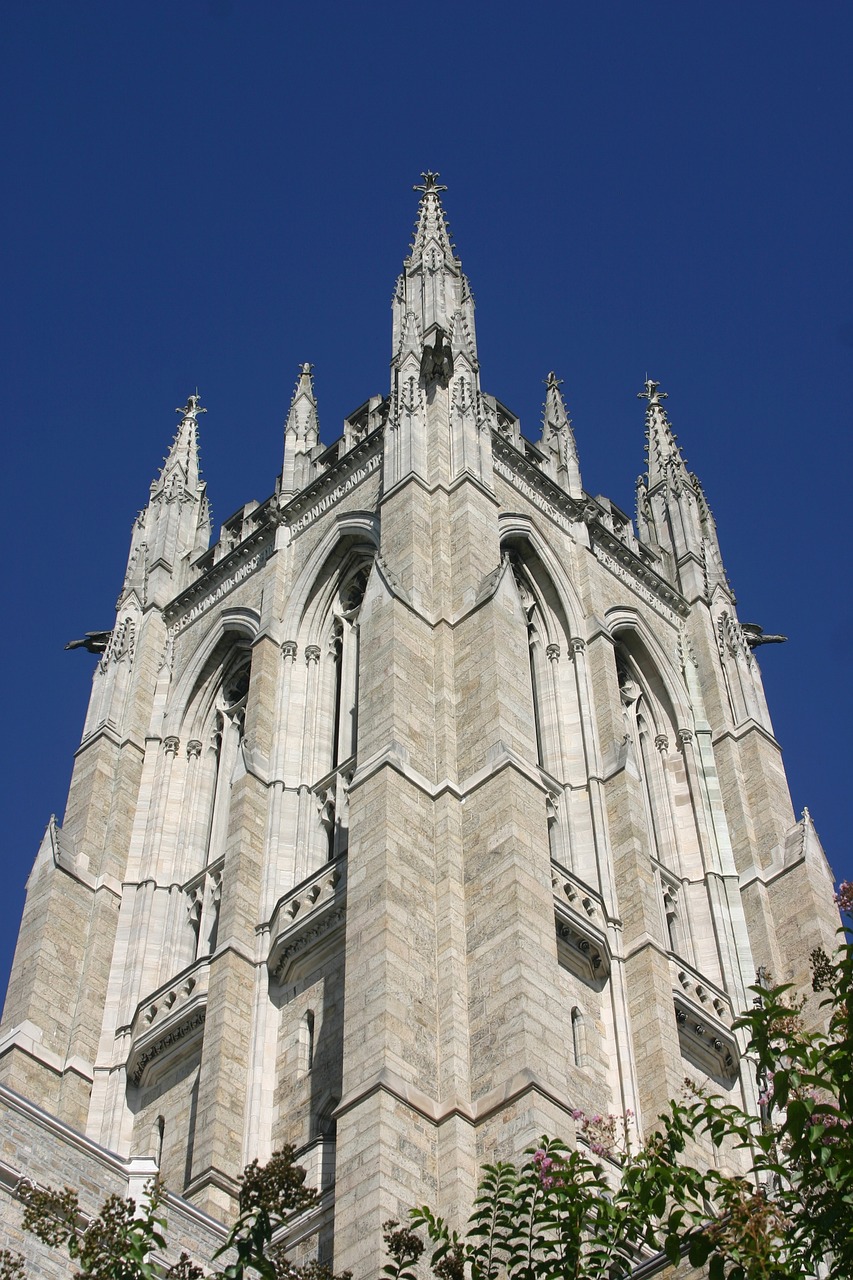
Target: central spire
x=431, y=231
x=432, y=301
x=435, y=374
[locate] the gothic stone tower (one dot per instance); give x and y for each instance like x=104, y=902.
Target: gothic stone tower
x=431, y=803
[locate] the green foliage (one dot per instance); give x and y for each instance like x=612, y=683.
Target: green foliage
x=592, y=1212
x=269, y=1194
x=120, y=1242
x=11, y=1265
x=115, y=1245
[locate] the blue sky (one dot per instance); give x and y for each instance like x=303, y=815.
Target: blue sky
x=209, y=192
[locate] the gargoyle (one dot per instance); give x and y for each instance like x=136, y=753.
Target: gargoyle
x=93, y=641
x=437, y=360
x=754, y=635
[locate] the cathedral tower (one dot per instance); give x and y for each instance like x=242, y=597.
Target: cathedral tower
x=430, y=804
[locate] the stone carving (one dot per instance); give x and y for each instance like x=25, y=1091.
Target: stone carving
x=437, y=360
x=705, y=1042
x=92, y=642
x=174, y=1036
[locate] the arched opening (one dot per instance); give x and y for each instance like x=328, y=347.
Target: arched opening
x=578, y=1037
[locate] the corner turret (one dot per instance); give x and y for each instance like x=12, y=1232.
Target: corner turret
x=174, y=527
x=672, y=511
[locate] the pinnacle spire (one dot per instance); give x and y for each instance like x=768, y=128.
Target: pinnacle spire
x=301, y=432
x=175, y=524
x=558, y=438
x=181, y=471
x=302, y=420
x=432, y=303
x=665, y=463
x=431, y=229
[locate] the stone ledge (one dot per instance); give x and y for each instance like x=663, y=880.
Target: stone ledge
x=26, y=1038
x=473, y=1113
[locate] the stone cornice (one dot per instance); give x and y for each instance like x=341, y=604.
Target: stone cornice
x=221, y=579
x=306, y=917
x=608, y=549
x=168, y=1020
x=623, y=563
x=564, y=510
x=362, y=453
x=395, y=757
x=497, y=1099
x=743, y=730
x=705, y=1039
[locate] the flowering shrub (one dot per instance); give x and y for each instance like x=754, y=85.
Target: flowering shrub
x=120, y=1243
x=591, y=1213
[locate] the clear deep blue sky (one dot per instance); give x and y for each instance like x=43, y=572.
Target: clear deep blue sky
x=208, y=192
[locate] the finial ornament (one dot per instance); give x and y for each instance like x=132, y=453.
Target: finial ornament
x=650, y=392
x=192, y=408
x=552, y=380
x=430, y=183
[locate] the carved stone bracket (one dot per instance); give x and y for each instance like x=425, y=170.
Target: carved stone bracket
x=582, y=945
x=312, y=653
x=307, y=922
x=288, y=649
x=552, y=652
x=170, y=745
x=168, y=1021
x=705, y=1040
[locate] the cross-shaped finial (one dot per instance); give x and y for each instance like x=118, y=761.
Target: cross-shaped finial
x=650, y=392
x=430, y=183
x=552, y=380
x=192, y=408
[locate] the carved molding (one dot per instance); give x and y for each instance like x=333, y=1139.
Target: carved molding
x=168, y=1021
x=705, y=1040
x=307, y=918
x=582, y=945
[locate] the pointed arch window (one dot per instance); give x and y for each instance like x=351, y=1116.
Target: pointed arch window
x=337, y=708
x=306, y=1043
x=226, y=741
x=541, y=691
